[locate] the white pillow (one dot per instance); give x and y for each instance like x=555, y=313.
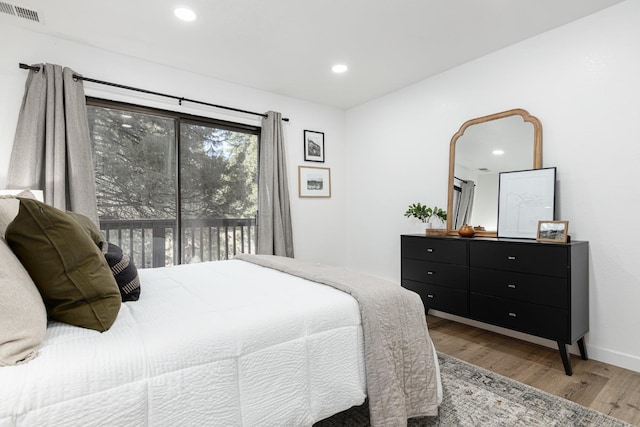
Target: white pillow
x=9, y=206
x=23, y=315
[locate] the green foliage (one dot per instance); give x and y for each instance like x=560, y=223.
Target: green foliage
x=424, y=213
x=135, y=163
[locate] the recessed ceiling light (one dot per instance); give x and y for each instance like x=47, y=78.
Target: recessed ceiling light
x=339, y=68
x=185, y=14
x=498, y=152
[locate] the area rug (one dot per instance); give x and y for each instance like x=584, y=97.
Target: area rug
x=477, y=397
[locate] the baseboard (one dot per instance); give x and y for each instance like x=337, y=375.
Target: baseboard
x=600, y=354
x=615, y=358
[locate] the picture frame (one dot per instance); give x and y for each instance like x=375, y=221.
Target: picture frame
x=553, y=231
x=314, y=181
x=313, y=146
x=524, y=198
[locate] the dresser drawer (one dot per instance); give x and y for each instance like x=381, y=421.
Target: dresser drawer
x=435, y=273
x=546, y=322
x=440, y=298
x=451, y=251
x=532, y=288
x=547, y=260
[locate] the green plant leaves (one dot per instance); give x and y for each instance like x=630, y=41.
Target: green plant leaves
x=425, y=213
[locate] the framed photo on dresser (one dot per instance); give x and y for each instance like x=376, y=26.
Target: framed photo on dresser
x=553, y=231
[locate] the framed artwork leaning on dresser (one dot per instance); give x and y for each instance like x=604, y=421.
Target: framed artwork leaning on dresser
x=524, y=198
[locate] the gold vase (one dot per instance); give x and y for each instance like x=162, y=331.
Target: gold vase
x=466, y=231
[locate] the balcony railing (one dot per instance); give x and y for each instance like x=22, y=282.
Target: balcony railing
x=152, y=242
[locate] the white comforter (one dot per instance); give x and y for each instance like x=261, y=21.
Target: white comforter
x=212, y=344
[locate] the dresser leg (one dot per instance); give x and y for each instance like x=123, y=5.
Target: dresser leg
x=583, y=349
x=565, y=358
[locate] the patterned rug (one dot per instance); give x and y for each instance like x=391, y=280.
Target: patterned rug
x=476, y=397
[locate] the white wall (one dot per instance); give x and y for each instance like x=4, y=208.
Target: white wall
x=582, y=81
x=318, y=223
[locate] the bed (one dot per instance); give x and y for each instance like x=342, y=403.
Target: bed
x=240, y=342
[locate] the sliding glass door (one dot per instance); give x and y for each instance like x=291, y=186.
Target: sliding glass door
x=173, y=188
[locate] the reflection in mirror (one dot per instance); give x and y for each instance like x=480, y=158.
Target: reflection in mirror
x=480, y=150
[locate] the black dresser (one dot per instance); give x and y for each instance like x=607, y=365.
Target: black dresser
x=537, y=288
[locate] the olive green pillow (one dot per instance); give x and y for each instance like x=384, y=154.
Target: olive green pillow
x=89, y=226
x=73, y=277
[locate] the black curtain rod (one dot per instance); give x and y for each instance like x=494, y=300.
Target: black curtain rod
x=179, y=98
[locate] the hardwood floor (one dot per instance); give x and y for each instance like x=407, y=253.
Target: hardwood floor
x=609, y=389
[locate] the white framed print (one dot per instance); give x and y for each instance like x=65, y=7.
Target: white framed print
x=524, y=198
x=314, y=181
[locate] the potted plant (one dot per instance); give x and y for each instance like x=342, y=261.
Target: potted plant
x=425, y=214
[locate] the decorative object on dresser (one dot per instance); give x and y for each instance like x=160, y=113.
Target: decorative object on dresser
x=466, y=231
x=541, y=289
x=553, y=231
x=524, y=198
x=313, y=146
x=425, y=214
x=481, y=149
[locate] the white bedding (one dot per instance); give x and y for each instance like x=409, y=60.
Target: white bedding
x=218, y=344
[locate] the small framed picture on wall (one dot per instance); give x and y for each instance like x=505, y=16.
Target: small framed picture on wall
x=314, y=181
x=313, y=146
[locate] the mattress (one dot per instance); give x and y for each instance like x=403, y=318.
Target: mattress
x=217, y=343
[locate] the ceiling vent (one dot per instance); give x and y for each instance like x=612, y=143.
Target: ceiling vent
x=20, y=12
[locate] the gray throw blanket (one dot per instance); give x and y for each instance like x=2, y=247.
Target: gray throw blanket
x=399, y=361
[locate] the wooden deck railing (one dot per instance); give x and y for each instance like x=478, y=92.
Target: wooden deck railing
x=152, y=242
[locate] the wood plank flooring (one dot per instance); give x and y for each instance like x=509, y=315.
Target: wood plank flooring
x=609, y=389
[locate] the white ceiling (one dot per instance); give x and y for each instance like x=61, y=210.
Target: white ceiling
x=288, y=46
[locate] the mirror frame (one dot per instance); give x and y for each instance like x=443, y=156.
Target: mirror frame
x=537, y=156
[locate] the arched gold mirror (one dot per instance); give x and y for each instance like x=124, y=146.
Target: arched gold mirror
x=479, y=151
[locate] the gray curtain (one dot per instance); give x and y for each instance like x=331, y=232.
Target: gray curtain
x=275, y=235
x=52, y=147
x=465, y=204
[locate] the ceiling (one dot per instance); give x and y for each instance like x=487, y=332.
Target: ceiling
x=288, y=46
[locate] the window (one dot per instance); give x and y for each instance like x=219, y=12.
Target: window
x=173, y=188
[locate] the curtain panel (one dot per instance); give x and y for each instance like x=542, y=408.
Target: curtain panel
x=275, y=235
x=52, y=146
x=465, y=206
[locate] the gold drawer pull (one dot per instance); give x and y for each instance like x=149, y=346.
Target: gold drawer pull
x=513, y=314
x=511, y=258
x=429, y=250
x=429, y=273
x=430, y=296
x=512, y=286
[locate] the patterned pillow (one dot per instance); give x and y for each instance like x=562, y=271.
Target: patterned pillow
x=124, y=271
